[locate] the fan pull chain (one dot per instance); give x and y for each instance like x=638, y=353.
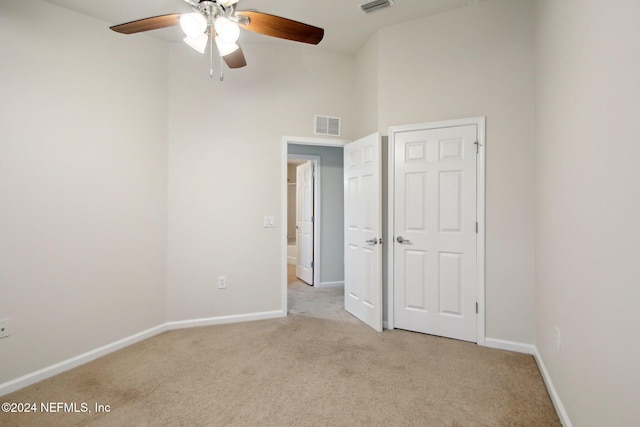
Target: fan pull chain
x=211, y=55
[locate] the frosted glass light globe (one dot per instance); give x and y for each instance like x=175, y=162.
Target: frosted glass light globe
x=227, y=30
x=193, y=25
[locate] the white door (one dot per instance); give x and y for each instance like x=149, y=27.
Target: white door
x=363, y=231
x=304, y=222
x=435, y=231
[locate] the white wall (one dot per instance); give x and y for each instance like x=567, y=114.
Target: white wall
x=82, y=184
x=588, y=206
x=331, y=209
x=474, y=61
x=366, y=88
x=215, y=209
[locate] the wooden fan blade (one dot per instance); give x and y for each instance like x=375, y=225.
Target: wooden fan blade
x=235, y=59
x=276, y=26
x=147, y=24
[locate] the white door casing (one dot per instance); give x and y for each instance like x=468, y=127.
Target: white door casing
x=435, y=258
x=304, y=222
x=363, y=230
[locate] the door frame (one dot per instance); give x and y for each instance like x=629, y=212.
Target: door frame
x=480, y=214
x=284, y=155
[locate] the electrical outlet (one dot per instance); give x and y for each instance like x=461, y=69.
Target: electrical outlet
x=222, y=282
x=558, y=339
x=4, y=328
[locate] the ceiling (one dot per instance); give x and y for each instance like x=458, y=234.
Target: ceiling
x=346, y=27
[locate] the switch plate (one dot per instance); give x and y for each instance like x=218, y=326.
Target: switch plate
x=269, y=222
x=4, y=328
x=222, y=282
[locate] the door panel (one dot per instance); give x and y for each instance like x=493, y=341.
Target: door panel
x=304, y=222
x=363, y=230
x=435, y=215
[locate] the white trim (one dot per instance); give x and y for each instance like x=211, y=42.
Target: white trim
x=553, y=393
x=317, y=224
x=314, y=141
x=480, y=243
x=223, y=320
x=391, y=161
x=518, y=347
x=480, y=213
x=73, y=362
x=81, y=359
x=283, y=233
x=330, y=284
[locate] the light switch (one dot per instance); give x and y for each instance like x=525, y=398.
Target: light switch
x=269, y=222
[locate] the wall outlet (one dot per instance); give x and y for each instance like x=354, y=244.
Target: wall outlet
x=558, y=339
x=4, y=328
x=222, y=282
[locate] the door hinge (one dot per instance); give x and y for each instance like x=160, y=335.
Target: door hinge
x=313, y=263
x=313, y=219
x=476, y=308
x=476, y=228
x=477, y=147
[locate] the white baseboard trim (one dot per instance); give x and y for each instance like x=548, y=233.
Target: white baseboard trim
x=65, y=365
x=330, y=284
x=510, y=345
x=221, y=320
x=291, y=260
x=533, y=350
x=555, y=398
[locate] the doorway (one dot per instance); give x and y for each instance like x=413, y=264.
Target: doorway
x=328, y=267
x=436, y=220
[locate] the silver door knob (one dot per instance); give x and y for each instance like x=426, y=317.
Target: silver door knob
x=373, y=241
x=402, y=240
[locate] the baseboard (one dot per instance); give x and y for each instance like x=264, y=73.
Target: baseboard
x=221, y=320
x=510, y=345
x=555, y=398
x=330, y=284
x=291, y=260
x=533, y=350
x=65, y=365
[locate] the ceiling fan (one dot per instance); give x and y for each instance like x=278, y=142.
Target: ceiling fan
x=218, y=22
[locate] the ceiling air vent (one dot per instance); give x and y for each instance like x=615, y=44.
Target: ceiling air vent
x=327, y=125
x=374, y=5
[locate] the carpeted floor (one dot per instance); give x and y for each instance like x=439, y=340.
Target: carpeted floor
x=314, y=368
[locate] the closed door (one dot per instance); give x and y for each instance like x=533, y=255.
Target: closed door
x=363, y=230
x=304, y=222
x=435, y=231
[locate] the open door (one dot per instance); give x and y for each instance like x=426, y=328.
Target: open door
x=304, y=222
x=363, y=230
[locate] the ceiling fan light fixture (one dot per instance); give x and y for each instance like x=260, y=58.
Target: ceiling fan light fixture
x=193, y=25
x=199, y=44
x=225, y=48
x=227, y=30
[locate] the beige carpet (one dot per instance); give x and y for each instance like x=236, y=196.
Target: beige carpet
x=297, y=371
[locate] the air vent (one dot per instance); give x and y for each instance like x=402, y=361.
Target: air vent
x=327, y=125
x=374, y=5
